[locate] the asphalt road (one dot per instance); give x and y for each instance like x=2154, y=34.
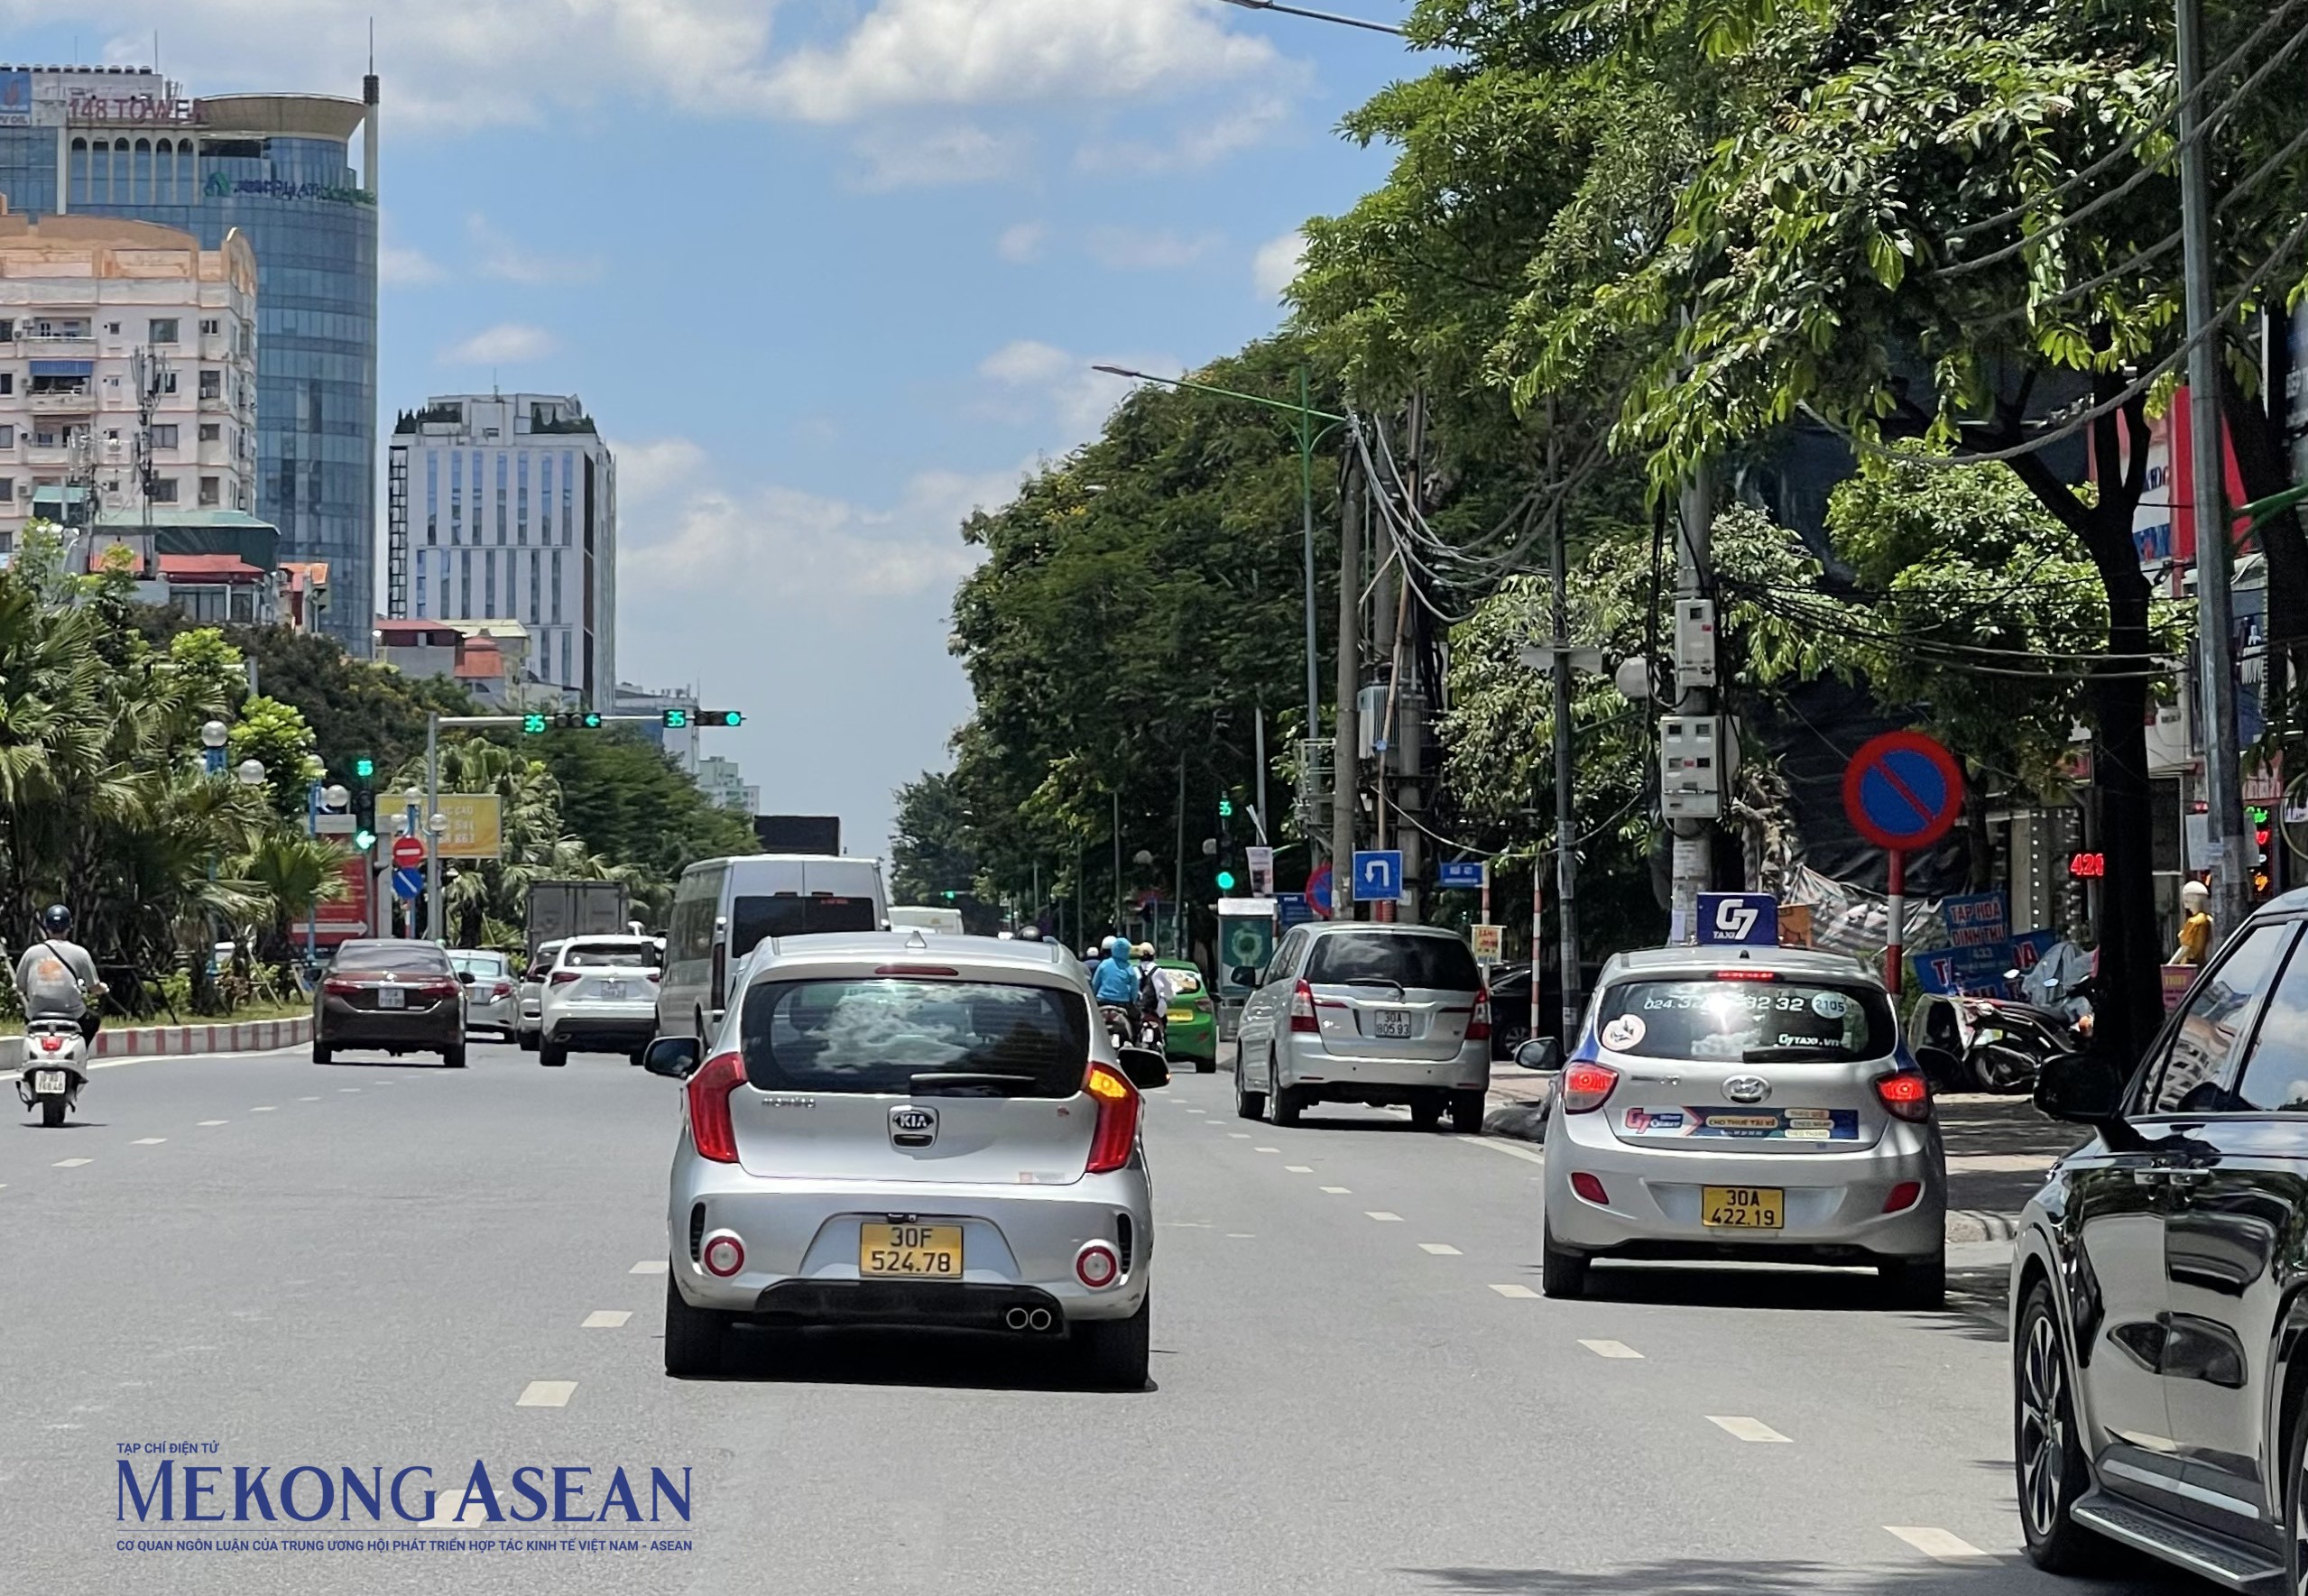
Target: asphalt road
x=1356, y=1386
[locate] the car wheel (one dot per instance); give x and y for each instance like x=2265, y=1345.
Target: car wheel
x=552, y=1056
x=2295, y=1500
x=1287, y=1104
x=2048, y=1454
x=1425, y=1111
x=1248, y=1104
x=1915, y=1283
x=1114, y=1351
x=1466, y=1112
x=453, y=1057
x=1206, y=1067
x=694, y=1338
x=322, y=1053
x=1561, y=1271
x=528, y=1041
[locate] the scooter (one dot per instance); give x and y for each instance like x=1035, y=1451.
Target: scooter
x=55, y=1068
x=1118, y=1024
x=1980, y=1044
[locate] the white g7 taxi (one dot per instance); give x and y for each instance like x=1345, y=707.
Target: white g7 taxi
x=1743, y=1103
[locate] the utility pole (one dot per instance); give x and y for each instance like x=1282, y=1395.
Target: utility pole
x=1406, y=723
x=1345, y=773
x=1694, y=839
x=1566, y=824
x=2232, y=880
x=432, y=838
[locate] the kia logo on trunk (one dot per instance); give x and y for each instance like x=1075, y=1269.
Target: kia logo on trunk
x=1747, y=1088
x=911, y=1125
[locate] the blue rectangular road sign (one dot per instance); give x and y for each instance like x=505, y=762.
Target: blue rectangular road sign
x=407, y=883
x=1378, y=876
x=1471, y=873
x=1748, y=919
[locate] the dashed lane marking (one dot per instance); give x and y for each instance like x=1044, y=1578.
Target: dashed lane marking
x=1513, y=1149
x=68, y=1163
x=1938, y=1542
x=148, y=1141
x=1240, y=1236
x=1238, y=1134
x=1383, y=1217
x=1440, y=1249
x=546, y=1393
x=1297, y=1169
x=212, y=1121
x=1514, y=1291
x=1745, y=1428
x=266, y=1109
x=1266, y=1149
x=1340, y=1191
x=649, y=1265
x=1610, y=1349
x=348, y=1088
x=606, y=1319
x=308, y=1100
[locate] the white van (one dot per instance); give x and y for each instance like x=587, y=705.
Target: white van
x=920, y=918
x=724, y=906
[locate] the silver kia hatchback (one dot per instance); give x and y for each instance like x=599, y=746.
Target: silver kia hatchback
x=893, y=1132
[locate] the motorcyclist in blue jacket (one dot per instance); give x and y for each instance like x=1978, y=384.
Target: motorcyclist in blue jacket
x=1114, y=981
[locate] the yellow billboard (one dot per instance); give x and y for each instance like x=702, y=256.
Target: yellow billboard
x=475, y=825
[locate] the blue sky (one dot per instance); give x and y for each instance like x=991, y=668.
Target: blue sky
x=827, y=273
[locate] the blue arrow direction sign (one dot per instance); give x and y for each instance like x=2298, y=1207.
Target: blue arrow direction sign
x=1471, y=873
x=1377, y=877
x=407, y=883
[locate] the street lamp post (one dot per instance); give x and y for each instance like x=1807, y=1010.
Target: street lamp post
x=1304, y=417
x=1319, y=16
x=214, y=736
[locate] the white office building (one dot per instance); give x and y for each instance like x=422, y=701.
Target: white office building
x=113, y=332
x=503, y=506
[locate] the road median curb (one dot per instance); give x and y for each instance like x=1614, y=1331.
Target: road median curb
x=250, y=1035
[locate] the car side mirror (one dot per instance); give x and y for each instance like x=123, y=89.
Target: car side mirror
x=1245, y=975
x=1147, y=1069
x=674, y=1057
x=1540, y=1053
x=464, y=976
x=2086, y=1089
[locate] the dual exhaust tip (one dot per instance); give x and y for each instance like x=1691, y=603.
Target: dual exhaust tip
x=1028, y=1319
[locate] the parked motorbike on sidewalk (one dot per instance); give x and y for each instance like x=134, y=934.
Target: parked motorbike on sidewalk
x=55, y=1068
x=1980, y=1044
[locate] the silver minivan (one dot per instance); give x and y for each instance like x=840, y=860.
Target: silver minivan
x=725, y=907
x=1355, y=1012
x=900, y=1132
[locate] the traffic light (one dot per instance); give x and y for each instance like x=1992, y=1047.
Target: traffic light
x=1225, y=881
x=676, y=720
x=1225, y=808
x=532, y=725
x=364, y=803
x=365, y=769
x=720, y=717
x=571, y=720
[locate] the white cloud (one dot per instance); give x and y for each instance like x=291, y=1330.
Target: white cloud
x=1138, y=249
x=1027, y=364
x=1045, y=385
x=1022, y=244
x=509, y=343
x=405, y=267
x=1199, y=142
x=970, y=52
x=913, y=157
x=1276, y=264
x=497, y=255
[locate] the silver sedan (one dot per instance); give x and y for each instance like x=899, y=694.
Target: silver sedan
x=883, y=1135
x=490, y=1003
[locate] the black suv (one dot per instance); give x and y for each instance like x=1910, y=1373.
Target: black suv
x=2159, y=1323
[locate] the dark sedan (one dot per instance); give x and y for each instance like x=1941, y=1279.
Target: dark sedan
x=391, y=997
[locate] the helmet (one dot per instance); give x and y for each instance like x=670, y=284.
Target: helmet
x=55, y=920
x=1094, y=952
x=1144, y=950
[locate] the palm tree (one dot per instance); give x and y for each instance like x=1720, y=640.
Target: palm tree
x=295, y=873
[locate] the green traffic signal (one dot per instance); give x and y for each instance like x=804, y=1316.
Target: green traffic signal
x=676, y=720
x=592, y=720
x=365, y=769
x=1225, y=808
x=362, y=841
x=720, y=717
x=531, y=724
x=1225, y=881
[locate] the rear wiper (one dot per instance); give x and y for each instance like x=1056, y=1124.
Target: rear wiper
x=961, y=1084
x=1783, y=1055
x=1376, y=981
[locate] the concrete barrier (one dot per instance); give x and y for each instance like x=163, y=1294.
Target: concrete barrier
x=252, y=1036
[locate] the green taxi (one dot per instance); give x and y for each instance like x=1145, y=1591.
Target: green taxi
x=1193, y=1022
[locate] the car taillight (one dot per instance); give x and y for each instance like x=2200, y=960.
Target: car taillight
x=1585, y=1085
x=1903, y=1197
x=1478, y=1025
x=652, y=974
x=503, y=989
x=563, y=977
x=1907, y=1096
x=1590, y=1187
x=336, y=988
x=1118, y=1106
x=435, y=989
x=1302, y=1009
x=709, y=1090
x=724, y=1256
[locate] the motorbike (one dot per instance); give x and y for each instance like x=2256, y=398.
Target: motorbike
x=55, y=1068
x=1982, y=1043
x=1119, y=1026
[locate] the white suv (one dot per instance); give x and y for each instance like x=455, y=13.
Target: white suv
x=881, y=1132
x=599, y=997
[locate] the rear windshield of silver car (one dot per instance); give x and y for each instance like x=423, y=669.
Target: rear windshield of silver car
x=1752, y=1019
x=914, y=1036
x=611, y=955
x=1380, y=958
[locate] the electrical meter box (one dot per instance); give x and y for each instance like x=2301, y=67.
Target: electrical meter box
x=1692, y=768
x=1695, y=642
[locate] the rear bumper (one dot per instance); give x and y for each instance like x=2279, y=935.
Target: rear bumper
x=428, y=1030
x=1833, y=1201
x=614, y=1026
x=1192, y=1038
x=495, y=1014
x=800, y=1237
x=1301, y=1061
